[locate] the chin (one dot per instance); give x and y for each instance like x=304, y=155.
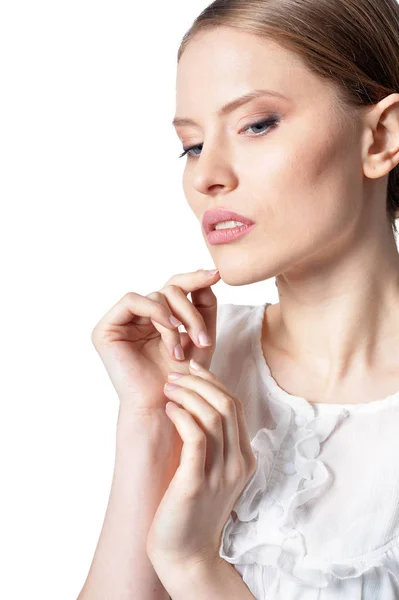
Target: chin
x=237, y=276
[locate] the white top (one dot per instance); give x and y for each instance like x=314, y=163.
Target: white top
x=319, y=519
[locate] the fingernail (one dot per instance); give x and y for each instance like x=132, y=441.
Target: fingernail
x=174, y=375
x=195, y=364
x=170, y=386
x=204, y=339
x=179, y=353
x=170, y=407
x=213, y=271
x=175, y=321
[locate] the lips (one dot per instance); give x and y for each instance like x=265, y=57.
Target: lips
x=212, y=217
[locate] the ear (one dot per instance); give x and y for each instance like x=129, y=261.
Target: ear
x=382, y=145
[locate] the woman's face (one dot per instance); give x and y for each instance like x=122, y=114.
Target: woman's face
x=300, y=180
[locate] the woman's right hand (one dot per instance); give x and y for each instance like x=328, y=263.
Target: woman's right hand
x=136, y=341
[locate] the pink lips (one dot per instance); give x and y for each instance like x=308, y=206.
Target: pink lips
x=212, y=217
x=224, y=236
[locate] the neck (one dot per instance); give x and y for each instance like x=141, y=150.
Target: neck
x=340, y=316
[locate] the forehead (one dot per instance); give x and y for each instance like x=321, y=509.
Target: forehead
x=222, y=64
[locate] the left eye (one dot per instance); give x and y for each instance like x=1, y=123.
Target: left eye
x=269, y=123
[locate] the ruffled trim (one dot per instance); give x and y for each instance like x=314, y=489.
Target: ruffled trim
x=243, y=541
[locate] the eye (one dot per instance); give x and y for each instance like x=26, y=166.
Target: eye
x=270, y=123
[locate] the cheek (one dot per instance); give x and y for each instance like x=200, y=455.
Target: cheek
x=307, y=187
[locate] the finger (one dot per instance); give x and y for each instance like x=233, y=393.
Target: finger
x=131, y=305
x=188, y=314
x=171, y=339
x=172, y=296
x=224, y=421
x=200, y=384
x=199, y=284
x=210, y=421
x=180, y=306
x=193, y=455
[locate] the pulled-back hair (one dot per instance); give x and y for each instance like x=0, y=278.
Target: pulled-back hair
x=352, y=43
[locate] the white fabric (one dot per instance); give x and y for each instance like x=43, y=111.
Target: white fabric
x=319, y=520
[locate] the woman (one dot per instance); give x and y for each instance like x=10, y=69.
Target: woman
x=310, y=167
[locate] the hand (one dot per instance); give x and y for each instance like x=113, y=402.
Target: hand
x=216, y=464
x=136, y=341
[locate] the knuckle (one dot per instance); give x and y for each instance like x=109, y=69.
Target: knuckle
x=172, y=288
x=238, y=471
x=198, y=440
x=130, y=296
x=154, y=296
x=227, y=404
x=171, y=280
x=214, y=421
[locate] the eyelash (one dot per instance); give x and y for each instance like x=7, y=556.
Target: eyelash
x=271, y=122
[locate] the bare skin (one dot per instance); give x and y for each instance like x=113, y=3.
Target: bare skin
x=316, y=187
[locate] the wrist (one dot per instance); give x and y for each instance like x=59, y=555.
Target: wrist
x=145, y=421
x=217, y=581
x=149, y=433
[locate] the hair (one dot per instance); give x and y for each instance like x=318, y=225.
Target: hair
x=354, y=44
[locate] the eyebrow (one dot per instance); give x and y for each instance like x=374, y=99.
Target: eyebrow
x=233, y=105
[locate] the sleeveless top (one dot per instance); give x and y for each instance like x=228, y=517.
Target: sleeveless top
x=319, y=519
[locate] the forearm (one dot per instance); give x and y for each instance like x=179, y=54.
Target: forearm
x=145, y=462
x=216, y=582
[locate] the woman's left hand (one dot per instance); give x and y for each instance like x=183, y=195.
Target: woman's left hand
x=216, y=464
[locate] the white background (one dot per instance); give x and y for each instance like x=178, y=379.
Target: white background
x=88, y=169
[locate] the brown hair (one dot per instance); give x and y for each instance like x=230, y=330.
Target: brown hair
x=352, y=43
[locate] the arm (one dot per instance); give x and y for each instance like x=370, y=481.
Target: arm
x=145, y=463
x=219, y=581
